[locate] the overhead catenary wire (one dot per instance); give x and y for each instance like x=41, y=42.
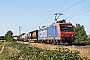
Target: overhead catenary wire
x=70, y=15
x=64, y=10
x=73, y=5
x=22, y=28
x=68, y=8
x=67, y=18
x=51, y=11
x=76, y=12
x=80, y=13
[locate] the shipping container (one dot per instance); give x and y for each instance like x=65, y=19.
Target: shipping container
x=42, y=33
x=29, y=35
x=34, y=34
x=52, y=32
x=49, y=32
x=23, y=36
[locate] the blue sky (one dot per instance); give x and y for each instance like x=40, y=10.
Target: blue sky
x=33, y=13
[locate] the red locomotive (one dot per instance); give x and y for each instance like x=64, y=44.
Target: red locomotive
x=65, y=31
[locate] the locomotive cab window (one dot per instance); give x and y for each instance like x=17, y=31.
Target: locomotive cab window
x=64, y=27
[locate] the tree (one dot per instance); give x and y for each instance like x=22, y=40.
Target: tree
x=89, y=40
x=80, y=35
x=2, y=37
x=9, y=36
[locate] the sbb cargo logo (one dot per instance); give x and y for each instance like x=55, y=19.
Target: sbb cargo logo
x=43, y=33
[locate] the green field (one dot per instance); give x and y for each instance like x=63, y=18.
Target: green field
x=18, y=51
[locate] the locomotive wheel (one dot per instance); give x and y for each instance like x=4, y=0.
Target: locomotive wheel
x=53, y=42
x=50, y=41
x=45, y=41
x=42, y=41
x=35, y=41
x=38, y=41
x=70, y=43
x=58, y=42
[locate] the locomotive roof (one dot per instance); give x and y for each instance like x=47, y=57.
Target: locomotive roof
x=55, y=23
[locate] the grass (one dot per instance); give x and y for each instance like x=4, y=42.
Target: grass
x=1, y=44
x=14, y=50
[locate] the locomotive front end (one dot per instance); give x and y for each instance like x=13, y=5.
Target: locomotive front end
x=67, y=32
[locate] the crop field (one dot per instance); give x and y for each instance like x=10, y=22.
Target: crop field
x=84, y=50
x=33, y=51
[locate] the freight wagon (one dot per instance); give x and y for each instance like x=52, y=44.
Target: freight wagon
x=48, y=34
x=24, y=37
x=33, y=36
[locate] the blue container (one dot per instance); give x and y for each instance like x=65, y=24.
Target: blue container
x=50, y=32
x=42, y=33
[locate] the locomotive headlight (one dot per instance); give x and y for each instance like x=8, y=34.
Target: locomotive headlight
x=72, y=35
x=61, y=35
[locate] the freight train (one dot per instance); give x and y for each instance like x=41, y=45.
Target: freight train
x=56, y=33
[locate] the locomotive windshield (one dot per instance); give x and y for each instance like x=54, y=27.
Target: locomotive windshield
x=64, y=27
